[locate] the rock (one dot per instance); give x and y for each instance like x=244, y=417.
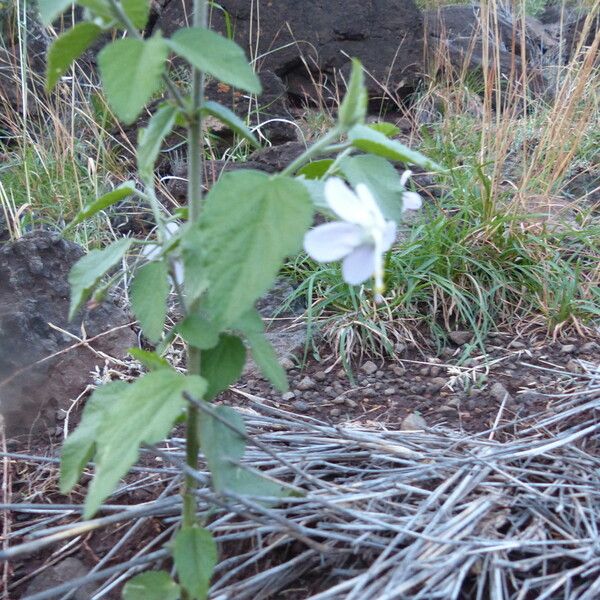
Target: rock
x=399, y=370
x=456, y=33
x=590, y=348
x=320, y=376
x=34, y=294
x=390, y=391
x=460, y=338
x=291, y=37
x=339, y=399
x=369, y=367
x=301, y=406
x=568, y=349
x=335, y=412
x=436, y=384
x=498, y=392
x=306, y=383
x=413, y=422
x=517, y=345
x=287, y=363
x=351, y=403
x=66, y=570
x=573, y=366
x=288, y=396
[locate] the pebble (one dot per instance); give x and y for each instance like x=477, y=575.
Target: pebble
x=498, y=392
x=339, y=400
x=369, y=392
x=435, y=371
x=351, y=403
x=568, y=349
x=453, y=402
x=288, y=396
x=573, y=366
x=320, y=375
x=436, y=384
x=389, y=391
x=369, y=367
x=300, y=405
x=424, y=371
x=287, y=363
x=307, y=383
x=590, y=347
x=400, y=347
x=399, y=370
x=413, y=422
x=335, y=412
x=517, y=345
x=460, y=338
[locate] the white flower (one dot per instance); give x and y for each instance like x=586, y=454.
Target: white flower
x=363, y=235
x=152, y=251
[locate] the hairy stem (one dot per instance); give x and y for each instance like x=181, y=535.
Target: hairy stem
x=195, y=175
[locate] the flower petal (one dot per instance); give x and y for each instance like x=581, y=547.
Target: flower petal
x=369, y=202
x=171, y=228
x=332, y=241
x=359, y=265
x=411, y=201
x=389, y=236
x=178, y=271
x=404, y=177
x=344, y=202
x=151, y=251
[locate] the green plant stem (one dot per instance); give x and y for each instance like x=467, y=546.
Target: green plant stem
x=195, y=175
x=316, y=149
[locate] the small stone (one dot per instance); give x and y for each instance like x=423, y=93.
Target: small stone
x=424, y=371
x=414, y=422
x=435, y=371
x=335, y=412
x=474, y=392
x=399, y=347
x=288, y=396
x=320, y=375
x=287, y=363
x=498, y=392
x=300, y=406
x=453, y=402
x=339, y=400
x=460, y=338
x=389, y=391
x=61, y=415
x=517, y=345
x=568, y=349
x=369, y=367
x=330, y=391
x=341, y=374
x=351, y=403
x=369, y=392
x=306, y=383
x=590, y=348
x=573, y=366
x=436, y=384
x=398, y=370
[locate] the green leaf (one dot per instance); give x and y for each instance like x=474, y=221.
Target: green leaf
x=78, y=448
x=218, y=56
x=152, y=585
x=198, y=332
x=380, y=177
x=195, y=555
x=368, y=140
x=249, y=224
x=230, y=119
x=316, y=169
x=193, y=255
x=101, y=9
x=252, y=328
x=66, y=48
x=124, y=190
x=131, y=72
x=138, y=11
x=141, y=412
x=88, y=270
x=222, y=365
x=387, y=129
x=223, y=444
x=151, y=138
x=354, y=105
x=149, y=293
x=50, y=9
x=151, y=360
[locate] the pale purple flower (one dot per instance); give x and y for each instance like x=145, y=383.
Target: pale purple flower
x=363, y=235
